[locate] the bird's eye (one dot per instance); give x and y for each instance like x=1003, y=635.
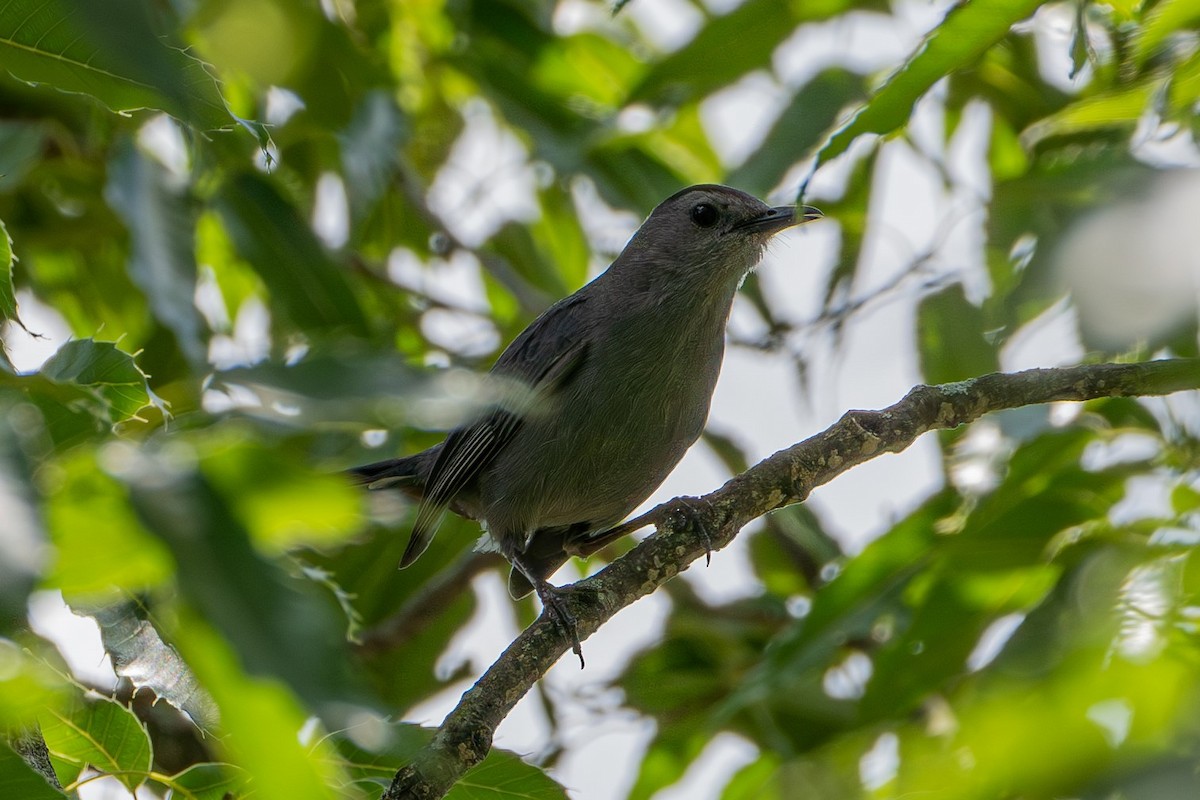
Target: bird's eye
x=704, y=215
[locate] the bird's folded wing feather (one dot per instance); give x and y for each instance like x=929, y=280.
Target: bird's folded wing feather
x=543, y=358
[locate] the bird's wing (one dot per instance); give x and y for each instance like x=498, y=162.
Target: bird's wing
x=543, y=358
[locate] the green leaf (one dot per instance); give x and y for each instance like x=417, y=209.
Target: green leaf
x=111, y=52
x=306, y=286
x=8, y=296
x=950, y=333
x=967, y=32
x=161, y=219
x=504, y=776
x=19, y=780
x=278, y=624
x=207, y=781
x=100, y=733
x=28, y=687
x=109, y=375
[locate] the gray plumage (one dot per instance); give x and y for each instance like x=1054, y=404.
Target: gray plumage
x=620, y=376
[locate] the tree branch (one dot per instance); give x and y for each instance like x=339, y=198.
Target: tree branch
x=787, y=477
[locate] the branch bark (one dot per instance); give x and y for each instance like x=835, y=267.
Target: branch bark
x=787, y=477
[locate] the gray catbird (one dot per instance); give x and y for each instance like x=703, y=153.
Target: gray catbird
x=619, y=377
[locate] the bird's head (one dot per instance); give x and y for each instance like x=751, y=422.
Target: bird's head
x=708, y=235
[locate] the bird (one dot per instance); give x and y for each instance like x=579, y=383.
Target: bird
x=607, y=389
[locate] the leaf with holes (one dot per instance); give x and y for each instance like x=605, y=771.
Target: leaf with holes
x=100, y=733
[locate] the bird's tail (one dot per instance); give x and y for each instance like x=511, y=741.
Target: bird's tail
x=401, y=473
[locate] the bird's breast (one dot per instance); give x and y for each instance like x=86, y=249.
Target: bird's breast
x=607, y=440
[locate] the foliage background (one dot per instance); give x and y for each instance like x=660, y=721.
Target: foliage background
x=261, y=225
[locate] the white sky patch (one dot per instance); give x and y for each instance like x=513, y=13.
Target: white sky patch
x=666, y=24
x=281, y=105
x=738, y=117
x=250, y=341
x=486, y=181
x=992, y=641
x=1146, y=497
x=331, y=211
x=721, y=758
x=1049, y=340
x=48, y=331
x=1144, y=601
x=463, y=333
x=1113, y=718
x=76, y=637
x=455, y=281
x=879, y=765
x=162, y=139
x=209, y=300
x=848, y=679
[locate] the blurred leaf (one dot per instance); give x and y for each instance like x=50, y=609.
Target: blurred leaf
x=587, y=68
x=102, y=550
x=732, y=46
x=161, y=219
x=21, y=144
x=1008, y=78
x=282, y=504
x=370, y=148
x=262, y=723
x=682, y=682
x=1169, y=93
x=23, y=548
x=306, y=286
x=951, y=342
x=18, y=779
x=501, y=776
x=277, y=624
x=1162, y=20
x=1030, y=214
x=967, y=32
x=800, y=128
x=112, y=54
x=784, y=692
x=101, y=733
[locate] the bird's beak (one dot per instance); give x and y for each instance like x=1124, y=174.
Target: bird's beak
x=776, y=219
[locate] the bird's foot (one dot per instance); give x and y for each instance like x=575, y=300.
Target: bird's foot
x=554, y=603
x=692, y=512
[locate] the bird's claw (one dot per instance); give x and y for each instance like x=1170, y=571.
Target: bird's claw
x=691, y=512
x=554, y=603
